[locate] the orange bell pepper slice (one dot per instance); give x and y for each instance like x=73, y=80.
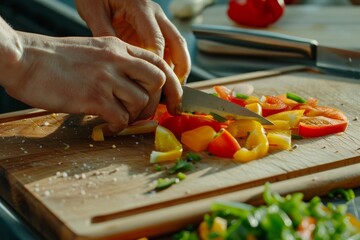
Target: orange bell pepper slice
x=199, y=138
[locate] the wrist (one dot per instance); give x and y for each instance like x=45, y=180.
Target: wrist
x=11, y=50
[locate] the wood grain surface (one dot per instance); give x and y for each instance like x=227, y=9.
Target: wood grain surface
x=69, y=187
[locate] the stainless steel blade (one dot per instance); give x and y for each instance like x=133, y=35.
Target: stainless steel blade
x=344, y=60
x=197, y=101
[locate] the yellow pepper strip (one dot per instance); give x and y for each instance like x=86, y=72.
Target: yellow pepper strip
x=199, y=138
x=278, y=125
x=139, y=127
x=167, y=147
x=292, y=116
x=98, y=132
x=279, y=139
x=255, y=107
x=219, y=226
x=256, y=145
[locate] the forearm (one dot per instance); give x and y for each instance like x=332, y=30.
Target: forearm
x=10, y=50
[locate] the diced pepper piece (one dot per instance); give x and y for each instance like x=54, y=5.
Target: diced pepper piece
x=255, y=107
x=167, y=147
x=199, y=138
x=256, y=145
x=223, y=145
x=98, y=133
x=279, y=139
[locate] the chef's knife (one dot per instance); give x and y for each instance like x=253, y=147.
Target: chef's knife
x=342, y=61
x=201, y=102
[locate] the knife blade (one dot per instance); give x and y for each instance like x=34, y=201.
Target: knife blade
x=194, y=100
x=344, y=62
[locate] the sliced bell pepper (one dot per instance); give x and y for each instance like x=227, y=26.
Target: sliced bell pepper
x=255, y=107
x=223, y=145
x=256, y=145
x=199, y=138
x=272, y=105
x=279, y=139
x=320, y=126
x=186, y=122
x=292, y=117
x=167, y=147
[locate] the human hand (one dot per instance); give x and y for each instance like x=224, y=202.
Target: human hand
x=141, y=23
x=101, y=76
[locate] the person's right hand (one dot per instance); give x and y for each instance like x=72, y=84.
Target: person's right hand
x=100, y=76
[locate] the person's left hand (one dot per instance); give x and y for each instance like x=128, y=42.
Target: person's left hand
x=141, y=23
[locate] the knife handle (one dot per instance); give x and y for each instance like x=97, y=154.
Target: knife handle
x=257, y=39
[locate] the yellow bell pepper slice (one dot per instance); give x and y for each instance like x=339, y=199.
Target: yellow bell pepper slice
x=278, y=125
x=100, y=131
x=167, y=147
x=255, y=107
x=139, y=127
x=292, y=116
x=279, y=139
x=256, y=145
x=199, y=138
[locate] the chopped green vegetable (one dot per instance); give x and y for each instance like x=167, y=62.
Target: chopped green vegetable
x=185, y=164
x=192, y=157
x=295, y=97
x=217, y=117
x=181, y=165
x=181, y=176
x=163, y=183
x=342, y=193
x=287, y=217
x=242, y=96
x=158, y=168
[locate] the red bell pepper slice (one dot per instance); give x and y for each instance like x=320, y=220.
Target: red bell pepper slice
x=182, y=123
x=272, y=104
x=320, y=126
x=223, y=145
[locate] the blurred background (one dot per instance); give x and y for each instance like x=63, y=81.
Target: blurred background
x=60, y=18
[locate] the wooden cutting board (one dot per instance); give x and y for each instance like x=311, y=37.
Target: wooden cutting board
x=69, y=187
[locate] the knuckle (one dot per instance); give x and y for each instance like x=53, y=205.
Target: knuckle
x=143, y=99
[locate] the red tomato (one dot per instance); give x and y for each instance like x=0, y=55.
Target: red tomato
x=182, y=123
x=255, y=13
x=320, y=126
x=272, y=105
x=223, y=145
